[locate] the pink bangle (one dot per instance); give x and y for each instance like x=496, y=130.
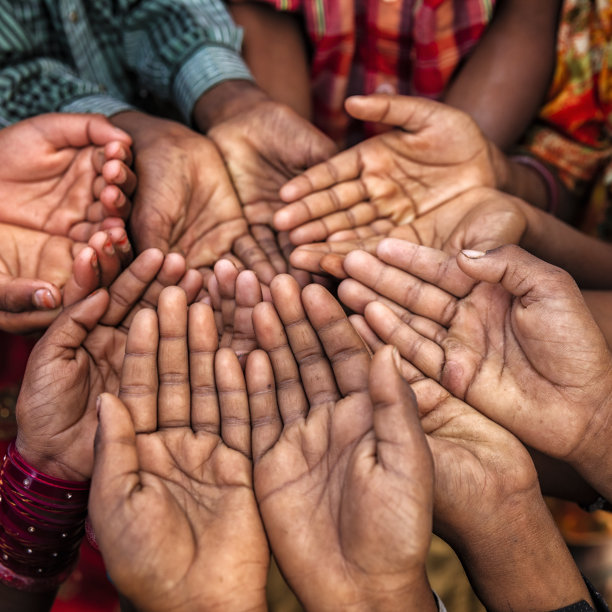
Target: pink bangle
x=547, y=176
x=41, y=524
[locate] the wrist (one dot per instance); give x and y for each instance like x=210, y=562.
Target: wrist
x=47, y=463
x=224, y=101
x=520, y=560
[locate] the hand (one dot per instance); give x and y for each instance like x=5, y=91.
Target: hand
x=436, y=154
x=477, y=219
x=233, y=295
x=521, y=347
x=39, y=273
x=172, y=499
x=488, y=506
x=342, y=473
x=79, y=357
x=64, y=174
x=185, y=200
x=264, y=146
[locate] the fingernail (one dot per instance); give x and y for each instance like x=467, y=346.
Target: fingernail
x=124, y=244
x=108, y=247
x=94, y=260
x=98, y=404
x=396, y=358
x=43, y=299
x=473, y=254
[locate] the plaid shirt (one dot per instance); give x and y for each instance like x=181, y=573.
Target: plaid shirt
x=104, y=55
x=408, y=47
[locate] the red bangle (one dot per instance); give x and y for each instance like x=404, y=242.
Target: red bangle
x=547, y=176
x=41, y=524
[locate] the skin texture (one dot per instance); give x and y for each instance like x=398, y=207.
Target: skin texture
x=434, y=154
x=488, y=506
x=80, y=356
x=185, y=200
x=494, y=330
x=328, y=449
x=40, y=272
x=480, y=218
x=76, y=173
x=174, y=450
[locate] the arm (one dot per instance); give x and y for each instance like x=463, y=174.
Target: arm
x=505, y=79
x=35, y=82
x=275, y=51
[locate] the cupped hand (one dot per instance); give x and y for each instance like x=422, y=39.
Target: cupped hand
x=79, y=357
x=172, y=500
x=40, y=272
x=435, y=154
x=478, y=219
x=342, y=473
x=64, y=174
x=185, y=201
x=520, y=346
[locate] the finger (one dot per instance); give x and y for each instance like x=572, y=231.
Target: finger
x=344, y=348
x=223, y=293
x=118, y=150
x=116, y=467
x=315, y=370
x=266, y=424
x=132, y=284
x=116, y=172
x=323, y=228
x=309, y=256
x=400, y=441
x=333, y=265
x=203, y=343
x=431, y=265
x=172, y=270
x=302, y=277
x=80, y=130
x=342, y=167
x=425, y=355
x=174, y=395
x=85, y=277
x=139, y=379
x=233, y=402
x=377, y=229
x=191, y=283
x=254, y=258
x=340, y=197
x=109, y=262
x=27, y=294
x=410, y=113
x=248, y=295
x=408, y=291
x=271, y=337
x=266, y=239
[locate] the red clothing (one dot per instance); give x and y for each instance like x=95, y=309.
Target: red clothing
x=409, y=47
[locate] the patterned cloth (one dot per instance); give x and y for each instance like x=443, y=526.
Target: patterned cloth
x=574, y=128
x=409, y=47
x=103, y=55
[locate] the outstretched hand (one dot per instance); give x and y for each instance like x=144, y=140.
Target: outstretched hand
x=342, y=473
x=173, y=451
x=64, y=174
x=79, y=357
x=435, y=154
x=519, y=345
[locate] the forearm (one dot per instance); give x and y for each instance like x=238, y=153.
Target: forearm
x=587, y=259
x=275, y=51
x=504, y=81
x=519, y=560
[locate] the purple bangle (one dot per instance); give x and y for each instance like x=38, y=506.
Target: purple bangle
x=547, y=176
x=41, y=524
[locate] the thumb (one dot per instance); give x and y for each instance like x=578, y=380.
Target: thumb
x=408, y=113
x=518, y=272
x=400, y=441
x=27, y=294
x=115, y=472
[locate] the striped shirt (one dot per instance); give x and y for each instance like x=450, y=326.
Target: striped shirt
x=409, y=47
x=106, y=55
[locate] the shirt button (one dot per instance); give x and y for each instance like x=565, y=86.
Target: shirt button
x=73, y=16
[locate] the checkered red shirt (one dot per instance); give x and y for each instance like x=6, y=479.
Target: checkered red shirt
x=396, y=46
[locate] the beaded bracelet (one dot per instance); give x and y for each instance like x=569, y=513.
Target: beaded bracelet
x=41, y=525
x=547, y=176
